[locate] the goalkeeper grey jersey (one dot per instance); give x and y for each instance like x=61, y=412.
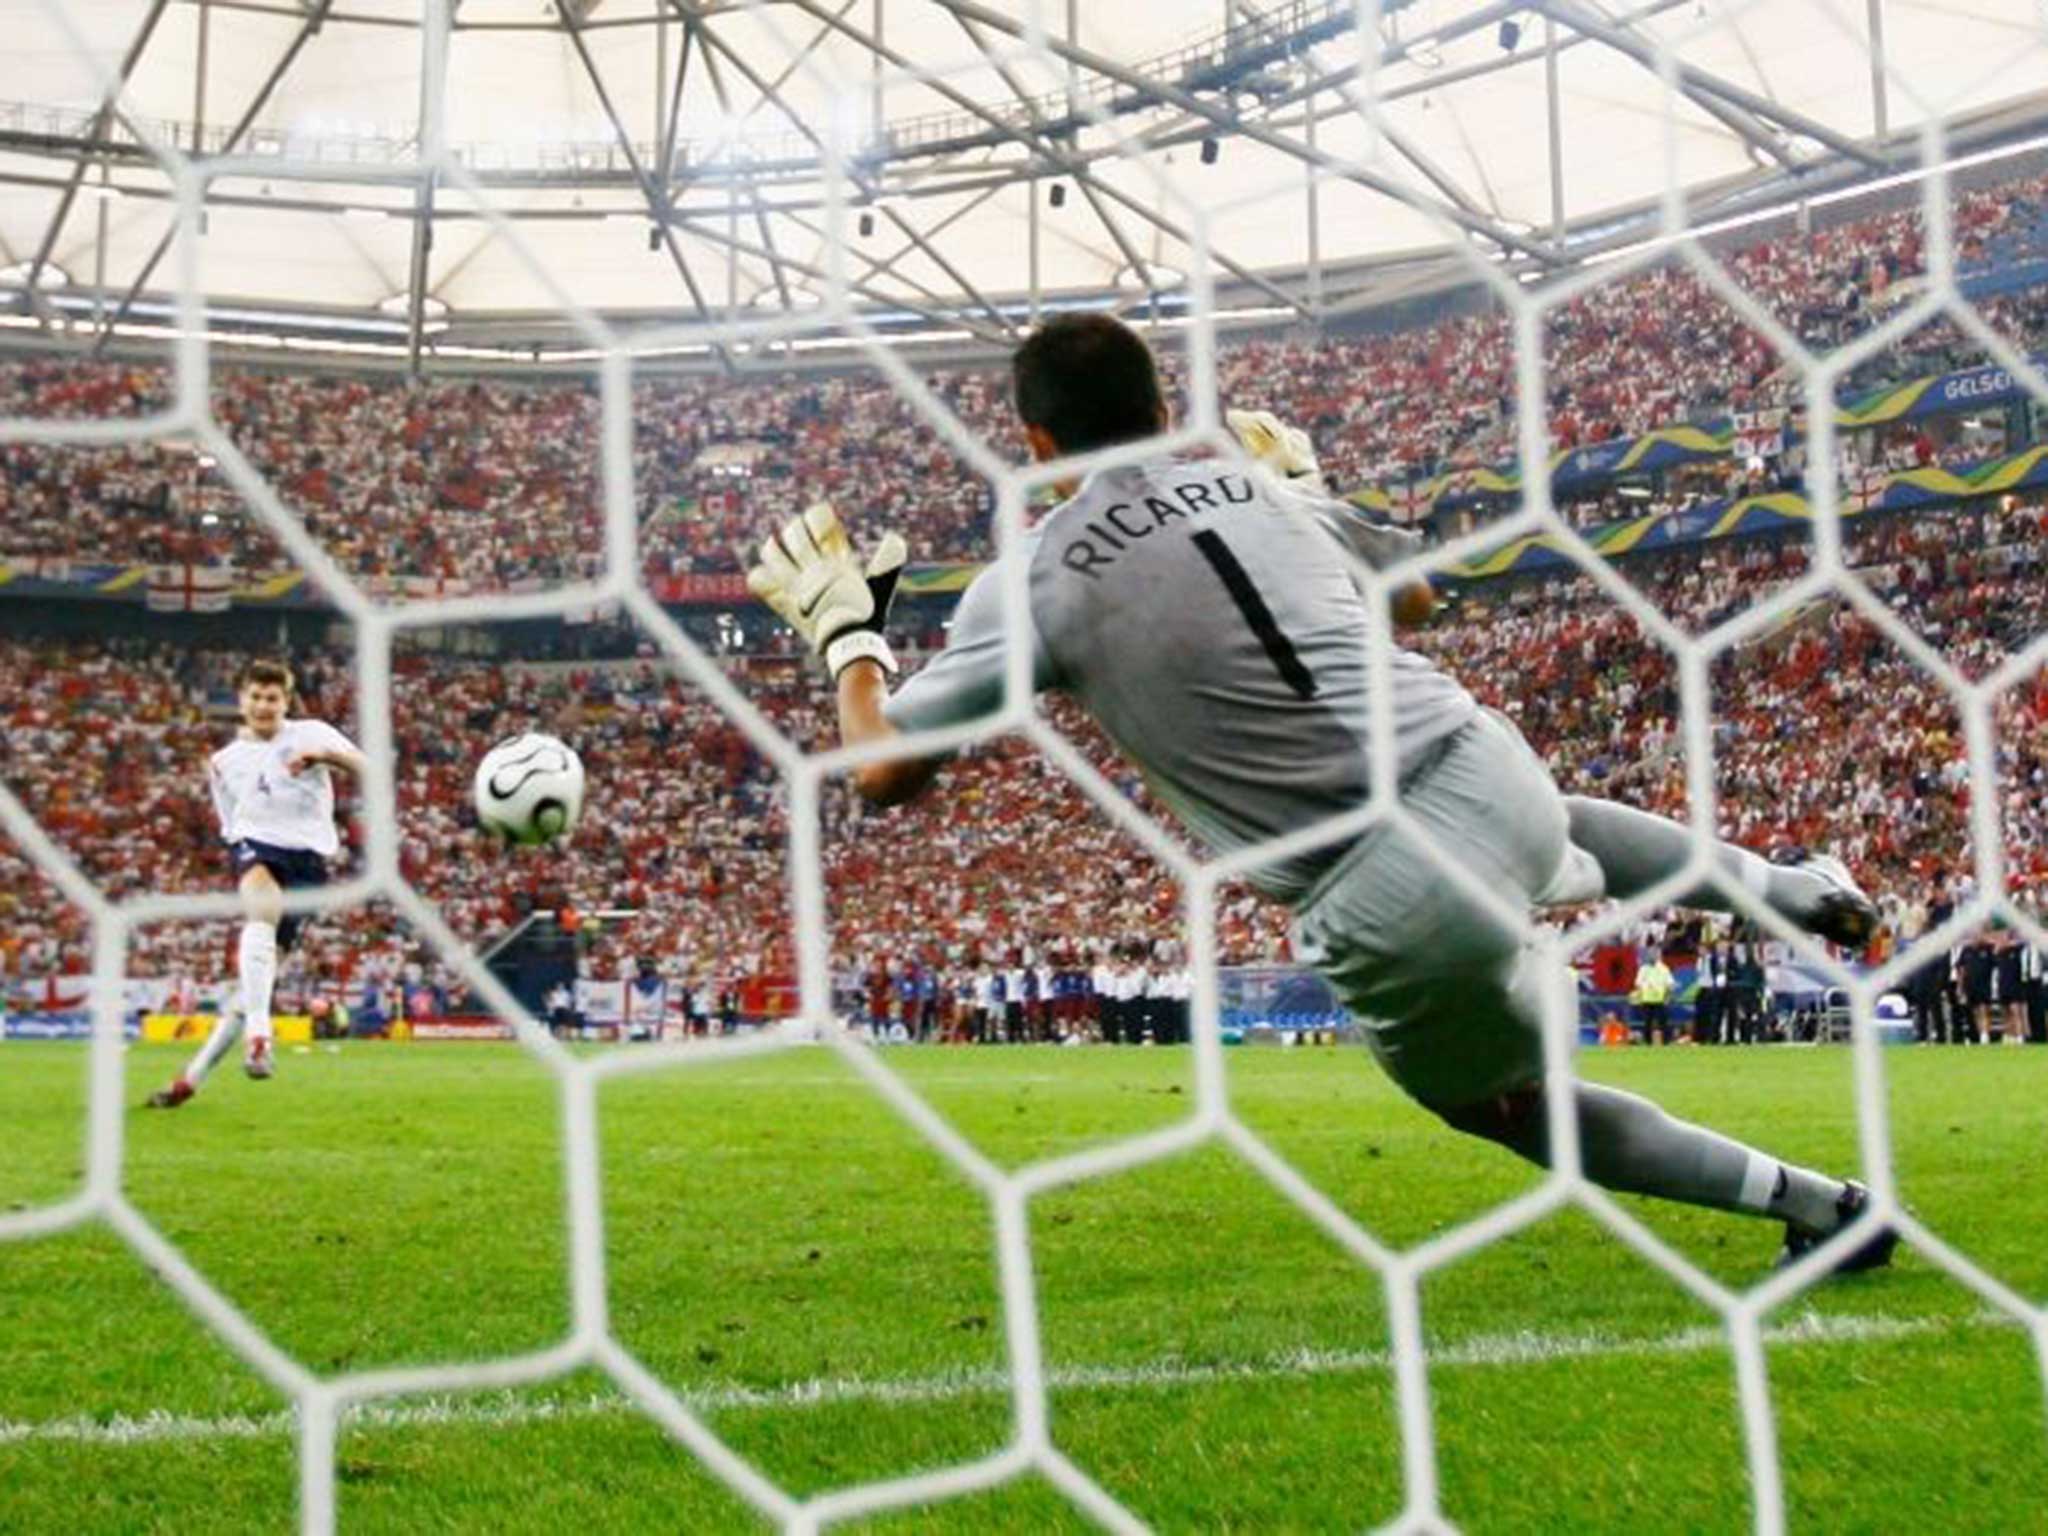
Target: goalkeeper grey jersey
x=1202, y=615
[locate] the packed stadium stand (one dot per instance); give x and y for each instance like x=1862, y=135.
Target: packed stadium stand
x=455, y=484
x=105, y=739
x=489, y=484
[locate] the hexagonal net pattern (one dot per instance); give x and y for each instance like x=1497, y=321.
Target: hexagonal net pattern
x=324, y=1403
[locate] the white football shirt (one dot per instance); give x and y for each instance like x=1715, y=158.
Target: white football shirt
x=256, y=799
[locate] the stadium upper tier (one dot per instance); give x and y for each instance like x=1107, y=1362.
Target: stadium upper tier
x=1827, y=736
x=494, y=484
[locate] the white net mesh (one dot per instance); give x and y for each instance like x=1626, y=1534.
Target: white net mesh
x=1031, y=58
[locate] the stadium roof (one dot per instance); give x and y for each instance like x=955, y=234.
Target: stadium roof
x=676, y=158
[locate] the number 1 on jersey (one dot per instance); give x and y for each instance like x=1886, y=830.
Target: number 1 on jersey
x=1238, y=583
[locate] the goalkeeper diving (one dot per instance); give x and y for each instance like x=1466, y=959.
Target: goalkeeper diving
x=1198, y=609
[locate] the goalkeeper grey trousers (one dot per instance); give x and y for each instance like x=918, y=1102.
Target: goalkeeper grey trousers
x=1448, y=994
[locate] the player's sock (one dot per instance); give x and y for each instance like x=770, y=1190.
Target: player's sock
x=1629, y=1144
x=1807, y=1199
x=225, y=1030
x=1635, y=850
x=257, y=958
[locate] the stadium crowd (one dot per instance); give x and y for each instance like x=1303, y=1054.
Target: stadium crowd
x=106, y=741
x=949, y=912
x=1826, y=734
x=1015, y=870
x=453, y=484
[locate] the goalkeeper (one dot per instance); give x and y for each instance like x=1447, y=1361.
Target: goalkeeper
x=1196, y=610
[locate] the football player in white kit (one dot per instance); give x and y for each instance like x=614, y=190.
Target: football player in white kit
x=1201, y=614
x=274, y=793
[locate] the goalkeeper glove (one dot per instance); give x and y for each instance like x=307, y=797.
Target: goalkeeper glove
x=810, y=575
x=1284, y=450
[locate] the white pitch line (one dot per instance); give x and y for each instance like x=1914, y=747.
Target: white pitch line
x=495, y=1409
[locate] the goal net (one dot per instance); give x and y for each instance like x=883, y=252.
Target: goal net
x=1316, y=86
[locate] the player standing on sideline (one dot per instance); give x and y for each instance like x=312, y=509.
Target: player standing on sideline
x=1652, y=997
x=1199, y=615
x=275, y=797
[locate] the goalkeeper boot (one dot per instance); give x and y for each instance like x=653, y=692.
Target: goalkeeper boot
x=1844, y=915
x=171, y=1097
x=1874, y=1252
x=257, y=1062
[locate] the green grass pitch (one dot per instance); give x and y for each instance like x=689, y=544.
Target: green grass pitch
x=786, y=1254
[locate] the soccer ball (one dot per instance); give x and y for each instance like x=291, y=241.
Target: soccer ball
x=530, y=789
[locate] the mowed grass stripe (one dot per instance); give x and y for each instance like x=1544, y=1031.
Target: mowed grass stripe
x=508, y=1408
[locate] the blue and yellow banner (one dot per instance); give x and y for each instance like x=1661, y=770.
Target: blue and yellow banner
x=1967, y=389
x=1908, y=490
x=1587, y=468
x=935, y=580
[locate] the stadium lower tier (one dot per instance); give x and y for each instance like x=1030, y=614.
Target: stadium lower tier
x=1827, y=733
